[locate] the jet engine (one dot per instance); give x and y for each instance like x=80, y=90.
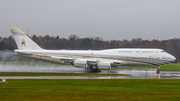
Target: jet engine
x=104, y=65
x=80, y=63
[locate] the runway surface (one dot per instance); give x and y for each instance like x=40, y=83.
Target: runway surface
x=136, y=74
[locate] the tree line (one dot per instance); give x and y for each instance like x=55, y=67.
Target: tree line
x=74, y=42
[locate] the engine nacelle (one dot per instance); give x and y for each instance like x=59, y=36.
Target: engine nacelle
x=80, y=63
x=104, y=65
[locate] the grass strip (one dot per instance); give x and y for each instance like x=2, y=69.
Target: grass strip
x=57, y=74
x=91, y=90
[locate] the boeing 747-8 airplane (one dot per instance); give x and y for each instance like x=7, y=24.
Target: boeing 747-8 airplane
x=94, y=60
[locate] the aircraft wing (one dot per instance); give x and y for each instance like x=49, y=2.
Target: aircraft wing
x=63, y=58
x=82, y=62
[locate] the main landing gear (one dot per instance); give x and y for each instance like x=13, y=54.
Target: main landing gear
x=158, y=69
x=93, y=69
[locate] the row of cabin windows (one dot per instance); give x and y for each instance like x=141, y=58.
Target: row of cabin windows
x=136, y=51
x=125, y=57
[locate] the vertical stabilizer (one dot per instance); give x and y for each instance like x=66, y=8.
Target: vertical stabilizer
x=23, y=42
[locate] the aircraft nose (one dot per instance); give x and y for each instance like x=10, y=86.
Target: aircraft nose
x=173, y=58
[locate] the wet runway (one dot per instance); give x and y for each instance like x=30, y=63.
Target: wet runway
x=136, y=74
x=141, y=75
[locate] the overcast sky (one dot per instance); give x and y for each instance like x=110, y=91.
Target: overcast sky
x=108, y=19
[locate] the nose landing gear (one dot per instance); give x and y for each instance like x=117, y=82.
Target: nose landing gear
x=158, y=70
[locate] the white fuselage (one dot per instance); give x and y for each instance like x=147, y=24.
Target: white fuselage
x=120, y=56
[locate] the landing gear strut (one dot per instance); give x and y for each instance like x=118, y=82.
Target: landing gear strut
x=158, y=70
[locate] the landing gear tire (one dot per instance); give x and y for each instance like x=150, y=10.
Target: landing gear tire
x=91, y=70
x=98, y=70
x=95, y=70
